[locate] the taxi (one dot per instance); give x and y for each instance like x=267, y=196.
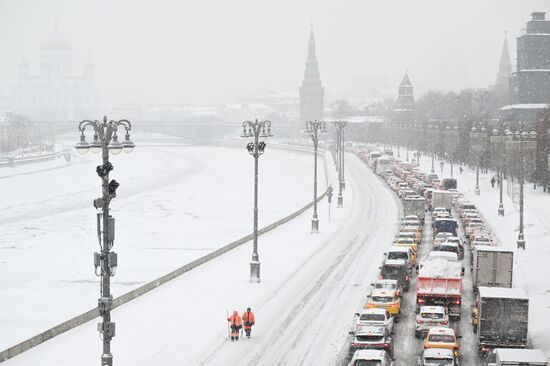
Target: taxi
x=441, y=337
x=413, y=229
x=385, y=299
x=406, y=242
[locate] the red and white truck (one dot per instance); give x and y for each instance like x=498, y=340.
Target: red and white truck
x=439, y=282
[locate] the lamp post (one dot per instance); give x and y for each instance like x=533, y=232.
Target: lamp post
x=522, y=136
x=256, y=130
x=431, y=127
x=500, y=134
x=313, y=128
x=340, y=126
x=106, y=261
x=475, y=134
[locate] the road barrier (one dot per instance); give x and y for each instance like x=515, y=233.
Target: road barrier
x=120, y=300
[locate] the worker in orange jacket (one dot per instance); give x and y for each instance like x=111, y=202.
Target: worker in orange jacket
x=249, y=321
x=236, y=324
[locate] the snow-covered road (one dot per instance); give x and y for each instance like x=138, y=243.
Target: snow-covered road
x=311, y=286
x=174, y=204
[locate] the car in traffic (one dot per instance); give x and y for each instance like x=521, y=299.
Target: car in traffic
x=442, y=337
x=387, y=284
x=413, y=229
x=375, y=316
x=372, y=337
x=447, y=246
x=437, y=357
x=371, y=357
x=440, y=238
x=402, y=252
x=385, y=299
x=429, y=317
x=439, y=210
x=396, y=269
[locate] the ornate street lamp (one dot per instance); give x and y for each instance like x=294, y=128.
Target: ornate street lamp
x=256, y=130
x=340, y=127
x=500, y=134
x=106, y=261
x=522, y=136
x=313, y=128
x=475, y=132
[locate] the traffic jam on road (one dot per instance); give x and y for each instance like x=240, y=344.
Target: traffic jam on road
x=441, y=233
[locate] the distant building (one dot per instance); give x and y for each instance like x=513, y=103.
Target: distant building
x=404, y=108
x=530, y=84
x=311, y=91
x=56, y=94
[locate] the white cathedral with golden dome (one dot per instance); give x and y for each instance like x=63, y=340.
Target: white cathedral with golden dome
x=56, y=94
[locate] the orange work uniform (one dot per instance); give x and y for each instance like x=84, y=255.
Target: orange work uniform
x=249, y=321
x=235, y=322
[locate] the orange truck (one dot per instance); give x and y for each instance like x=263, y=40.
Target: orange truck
x=439, y=282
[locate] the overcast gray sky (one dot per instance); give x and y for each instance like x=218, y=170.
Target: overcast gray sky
x=184, y=51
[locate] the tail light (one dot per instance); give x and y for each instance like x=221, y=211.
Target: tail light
x=420, y=321
x=456, y=302
x=421, y=301
x=484, y=349
x=370, y=306
x=444, y=322
x=386, y=345
x=393, y=305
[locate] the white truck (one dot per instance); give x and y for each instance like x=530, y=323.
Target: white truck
x=520, y=357
x=493, y=267
x=384, y=163
x=415, y=206
x=442, y=199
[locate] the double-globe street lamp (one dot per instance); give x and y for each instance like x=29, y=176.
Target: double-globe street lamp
x=522, y=136
x=340, y=127
x=476, y=133
x=499, y=134
x=313, y=128
x=106, y=261
x=257, y=130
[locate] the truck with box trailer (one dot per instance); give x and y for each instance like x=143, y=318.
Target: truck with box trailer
x=501, y=318
x=493, y=267
x=384, y=163
x=415, y=206
x=442, y=199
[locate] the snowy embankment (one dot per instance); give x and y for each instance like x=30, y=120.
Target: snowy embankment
x=174, y=204
x=311, y=286
x=531, y=266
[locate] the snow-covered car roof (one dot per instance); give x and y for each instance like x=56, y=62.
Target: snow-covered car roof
x=441, y=330
x=374, y=311
x=368, y=355
x=386, y=281
x=448, y=244
x=370, y=330
x=438, y=353
x=432, y=309
x=382, y=292
x=398, y=248
x=395, y=262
